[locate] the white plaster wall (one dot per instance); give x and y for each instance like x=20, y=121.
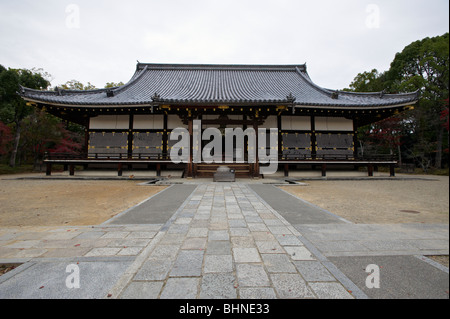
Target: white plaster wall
x=333, y=124
x=148, y=122
x=296, y=123
x=109, y=122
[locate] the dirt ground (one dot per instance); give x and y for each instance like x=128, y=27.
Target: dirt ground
x=40, y=202
x=381, y=201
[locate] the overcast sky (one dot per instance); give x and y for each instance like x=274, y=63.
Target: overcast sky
x=100, y=40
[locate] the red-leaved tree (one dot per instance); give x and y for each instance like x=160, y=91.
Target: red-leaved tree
x=5, y=138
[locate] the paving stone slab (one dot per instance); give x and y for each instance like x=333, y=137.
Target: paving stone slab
x=288, y=240
x=269, y=247
x=218, y=247
x=194, y=243
x=218, y=235
x=218, y=286
x=165, y=252
x=252, y=275
x=141, y=235
x=142, y=290
x=330, y=290
x=129, y=251
x=154, y=269
x=313, y=271
x=278, y=263
x=299, y=253
x=218, y=264
x=180, y=288
x=257, y=293
x=188, y=264
x=115, y=235
x=291, y=286
x=98, y=252
x=246, y=255
x=197, y=232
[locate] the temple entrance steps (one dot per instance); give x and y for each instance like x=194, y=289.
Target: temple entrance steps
x=208, y=170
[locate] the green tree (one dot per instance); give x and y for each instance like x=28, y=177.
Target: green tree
x=113, y=84
x=13, y=109
x=77, y=85
x=372, y=81
x=424, y=65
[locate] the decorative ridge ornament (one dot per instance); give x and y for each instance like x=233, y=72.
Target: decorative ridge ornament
x=156, y=97
x=335, y=95
x=290, y=98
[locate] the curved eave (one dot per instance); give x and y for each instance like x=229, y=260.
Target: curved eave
x=228, y=103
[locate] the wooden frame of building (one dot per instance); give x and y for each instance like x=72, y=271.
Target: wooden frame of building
x=130, y=125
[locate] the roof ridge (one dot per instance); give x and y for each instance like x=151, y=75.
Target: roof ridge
x=133, y=79
x=312, y=84
x=258, y=67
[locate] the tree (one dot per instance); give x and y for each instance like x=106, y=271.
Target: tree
x=372, y=81
x=46, y=132
x=383, y=136
x=13, y=109
x=5, y=138
x=424, y=65
x=113, y=84
x=77, y=85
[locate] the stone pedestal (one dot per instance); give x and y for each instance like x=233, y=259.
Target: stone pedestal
x=224, y=174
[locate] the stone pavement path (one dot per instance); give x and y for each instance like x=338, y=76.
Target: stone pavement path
x=226, y=242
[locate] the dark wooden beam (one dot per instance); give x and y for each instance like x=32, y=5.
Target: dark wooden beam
x=313, y=136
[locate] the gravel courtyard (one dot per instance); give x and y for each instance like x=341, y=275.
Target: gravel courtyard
x=39, y=202
x=422, y=200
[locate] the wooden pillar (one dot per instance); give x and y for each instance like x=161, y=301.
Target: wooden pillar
x=355, y=139
x=130, y=136
x=48, y=170
x=313, y=137
x=72, y=169
x=158, y=169
x=370, y=169
x=324, y=170
x=286, y=170
x=119, y=169
x=256, y=166
x=86, y=137
x=165, y=138
x=392, y=170
x=190, y=171
x=280, y=138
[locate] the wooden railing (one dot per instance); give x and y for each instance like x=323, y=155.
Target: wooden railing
x=105, y=156
x=166, y=157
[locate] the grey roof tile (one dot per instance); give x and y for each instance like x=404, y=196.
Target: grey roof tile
x=218, y=84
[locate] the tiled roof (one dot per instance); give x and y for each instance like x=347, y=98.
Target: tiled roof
x=199, y=84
